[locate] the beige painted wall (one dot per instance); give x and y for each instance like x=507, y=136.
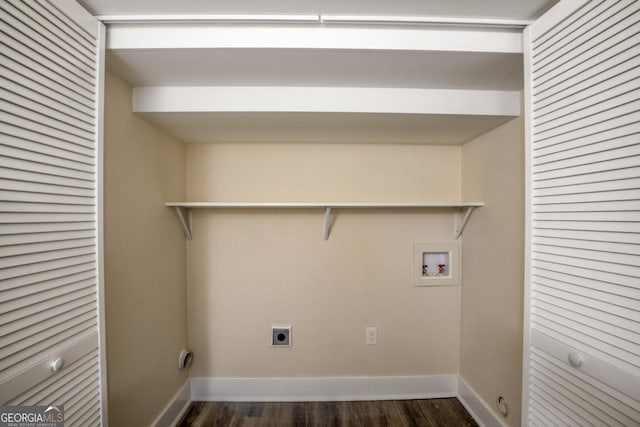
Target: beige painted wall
x=492, y=249
x=250, y=269
x=318, y=172
x=146, y=321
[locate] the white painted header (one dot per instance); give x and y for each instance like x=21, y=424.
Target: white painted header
x=325, y=99
x=289, y=36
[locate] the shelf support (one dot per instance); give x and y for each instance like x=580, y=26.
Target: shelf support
x=461, y=211
x=327, y=223
x=187, y=223
x=458, y=223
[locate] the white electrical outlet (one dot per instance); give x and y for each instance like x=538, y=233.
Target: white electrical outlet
x=371, y=335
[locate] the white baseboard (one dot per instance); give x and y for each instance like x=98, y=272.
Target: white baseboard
x=326, y=389
x=175, y=408
x=478, y=409
x=323, y=389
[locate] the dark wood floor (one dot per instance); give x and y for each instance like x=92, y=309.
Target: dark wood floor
x=419, y=413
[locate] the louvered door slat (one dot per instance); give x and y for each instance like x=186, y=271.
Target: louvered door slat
x=47, y=127
x=40, y=178
x=46, y=119
x=580, y=325
x=14, y=165
x=592, y=263
x=633, y=294
x=587, y=216
x=18, y=68
x=46, y=149
x=85, y=397
x=581, y=271
x=614, y=259
x=589, y=226
x=28, y=35
x=34, y=248
x=583, y=69
x=62, y=24
x=541, y=419
x=44, y=266
x=46, y=159
x=589, y=109
x=623, y=303
x=561, y=39
x=586, y=141
x=39, y=218
x=40, y=257
x=53, y=389
x=29, y=231
x=53, y=343
x=604, y=91
x=586, y=170
x=582, y=352
x=69, y=320
x=44, y=279
x=599, y=26
x=594, y=177
x=43, y=106
x=617, y=149
x=613, y=41
x=572, y=303
x=20, y=45
x=568, y=412
x=597, y=414
x=45, y=141
x=18, y=335
x=44, y=23
x=623, y=184
x=76, y=300
x=49, y=92
x=52, y=236
x=53, y=286
x=609, y=396
x=36, y=187
x=620, y=248
x=15, y=74
x=612, y=195
x=563, y=152
x=59, y=298
x=31, y=100
x=598, y=76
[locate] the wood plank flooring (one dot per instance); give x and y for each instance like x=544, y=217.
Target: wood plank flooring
x=418, y=413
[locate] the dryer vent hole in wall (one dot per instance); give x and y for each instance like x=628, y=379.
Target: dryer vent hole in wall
x=502, y=406
x=281, y=336
x=185, y=359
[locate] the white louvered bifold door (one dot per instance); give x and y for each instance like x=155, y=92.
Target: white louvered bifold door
x=48, y=207
x=582, y=326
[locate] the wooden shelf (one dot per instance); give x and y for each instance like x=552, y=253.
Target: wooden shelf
x=461, y=210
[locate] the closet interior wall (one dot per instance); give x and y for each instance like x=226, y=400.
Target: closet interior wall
x=145, y=262
x=492, y=267
x=250, y=269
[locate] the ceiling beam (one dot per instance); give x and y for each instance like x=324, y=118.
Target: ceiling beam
x=326, y=100
x=314, y=18
x=200, y=35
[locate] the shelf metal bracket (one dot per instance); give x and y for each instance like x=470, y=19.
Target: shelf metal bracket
x=187, y=223
x=460, y=220
x=327, y=223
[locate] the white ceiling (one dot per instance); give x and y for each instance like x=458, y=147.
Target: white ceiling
x=501, y=71
x=501, y=9
x=291, y=67
x=324, y=127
